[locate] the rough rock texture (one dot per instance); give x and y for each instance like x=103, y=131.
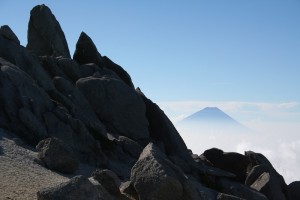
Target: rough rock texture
x=117, y=105
x=109, y=180
x=45, y=36
x=130, y=146
x=77, y=188
x=155, y=177
x=162, y=129
x=267, y=179
x=57, y=155
x=240, y=190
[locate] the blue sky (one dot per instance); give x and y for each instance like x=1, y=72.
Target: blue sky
x=241, y=56
x=229, y=50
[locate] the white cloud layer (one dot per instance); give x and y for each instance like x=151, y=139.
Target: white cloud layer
x=276, y=125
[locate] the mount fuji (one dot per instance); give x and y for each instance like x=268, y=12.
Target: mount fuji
x=212, y=119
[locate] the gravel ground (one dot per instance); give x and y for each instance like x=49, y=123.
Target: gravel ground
x=20, y=176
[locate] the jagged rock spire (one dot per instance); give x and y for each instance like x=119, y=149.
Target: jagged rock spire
x=45, y=36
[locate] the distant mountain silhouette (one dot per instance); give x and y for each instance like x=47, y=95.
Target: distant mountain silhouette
x=212, y=118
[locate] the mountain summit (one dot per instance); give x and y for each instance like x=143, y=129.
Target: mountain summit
x=212, y=118
x=210, y=114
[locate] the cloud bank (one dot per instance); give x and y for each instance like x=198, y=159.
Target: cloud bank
x=276, y=131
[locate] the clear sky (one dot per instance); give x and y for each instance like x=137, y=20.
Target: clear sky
x=232, y=50
x=240, y=55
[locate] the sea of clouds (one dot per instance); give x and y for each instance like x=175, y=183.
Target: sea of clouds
x=276, y=138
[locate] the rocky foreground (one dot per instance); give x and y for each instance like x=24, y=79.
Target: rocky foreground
x=78, y=129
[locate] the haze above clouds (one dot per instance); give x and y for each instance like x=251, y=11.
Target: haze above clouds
x=275, y=131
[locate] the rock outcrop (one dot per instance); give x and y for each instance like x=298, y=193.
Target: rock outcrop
x=79, y=187
x=45, y=36
x=57, y=155
x=85, y=111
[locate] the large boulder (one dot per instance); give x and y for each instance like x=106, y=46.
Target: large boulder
x=161, y=129
x=79, y=105
x=154, y=177
x=109, y=180
x=57, y=155
x=70, y=68
x=294, y=190
x=264, y=178
x=268, y=185
x=239, y=190
x=45, y=36
x=118, y=106
x=229, y=161
x=77, y=188
x=129, y=146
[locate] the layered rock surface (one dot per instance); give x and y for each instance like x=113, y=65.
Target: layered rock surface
x=86, y=110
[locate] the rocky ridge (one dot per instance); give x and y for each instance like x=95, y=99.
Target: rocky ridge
x=86, y=110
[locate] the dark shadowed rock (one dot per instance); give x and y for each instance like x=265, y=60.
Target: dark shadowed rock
x=229, y=161
x=239, y=190
x=129, y=146
x=268, y=185
x=75, y=101
x=19, y=56
x=128, y=190
x=254, y=173
x=162, y=129
x=119, y=107
x=70, y=68
x=77, y=188
x=294, y=190
x=86, y=51
x=7, y=33
x=194, y=190
x=269, y=182
x=103, y=193
x=108, y=179
x=57, y=155
x=155, y=177
x=22, y=103
x=222, y=196
x=91, y=68
x=32, y=123
x=45, y=36
x=118, y=70
x=50, y=66
x=32, y=114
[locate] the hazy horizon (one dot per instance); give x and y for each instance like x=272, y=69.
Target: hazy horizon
x=279, y=142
